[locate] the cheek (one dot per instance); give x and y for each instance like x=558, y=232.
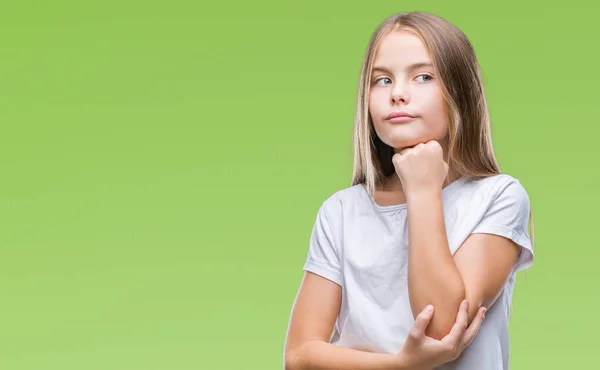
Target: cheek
x=373, y=99
x=375, y=109
x=437, y=115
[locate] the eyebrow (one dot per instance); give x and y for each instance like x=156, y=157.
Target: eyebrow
x=411, y=67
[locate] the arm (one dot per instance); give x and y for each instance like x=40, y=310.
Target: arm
x=314, y=313
x=317, y=306
x=478, y=270
x=307, y=345
x=441, y=286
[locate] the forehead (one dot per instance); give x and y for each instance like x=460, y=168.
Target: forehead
x=401, y=47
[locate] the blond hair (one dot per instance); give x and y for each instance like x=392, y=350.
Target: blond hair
x=470, y=151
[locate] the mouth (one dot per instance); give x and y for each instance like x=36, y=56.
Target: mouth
x=400, y=117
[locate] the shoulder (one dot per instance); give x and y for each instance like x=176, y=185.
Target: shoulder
x=498, y=193
x=335, y=203
x=498, y=186
x=501, y=197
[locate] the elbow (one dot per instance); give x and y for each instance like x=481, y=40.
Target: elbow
x=439, y=329
x=293, y=358
x=446, y=314
x=290, y=361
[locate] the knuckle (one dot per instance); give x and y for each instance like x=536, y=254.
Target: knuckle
x=449, y=348
x=453, y=354
x=413, y=335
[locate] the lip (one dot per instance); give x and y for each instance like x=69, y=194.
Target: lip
x=399, y=114
x=400, y=117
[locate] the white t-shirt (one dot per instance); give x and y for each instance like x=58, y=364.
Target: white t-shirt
x=363, y=247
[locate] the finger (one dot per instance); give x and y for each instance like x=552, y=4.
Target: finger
x=404, y=151
x=473, y=328
x=422, y=322
x=460, y=325
x=396, y=159
x=433, y=143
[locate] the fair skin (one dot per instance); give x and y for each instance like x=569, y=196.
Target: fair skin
x=313, y=316
x=480, y=268
x=475, y=275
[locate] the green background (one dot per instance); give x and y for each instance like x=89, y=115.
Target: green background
x=163, y=163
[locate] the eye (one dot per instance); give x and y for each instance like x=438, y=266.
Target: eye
x=379, y=79
x=427, y=78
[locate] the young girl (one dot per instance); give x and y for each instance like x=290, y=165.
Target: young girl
x=403, y=263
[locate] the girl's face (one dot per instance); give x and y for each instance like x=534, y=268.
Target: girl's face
x=403, y=80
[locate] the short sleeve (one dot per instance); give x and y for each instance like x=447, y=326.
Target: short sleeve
x=508, y=216
x=323, y=258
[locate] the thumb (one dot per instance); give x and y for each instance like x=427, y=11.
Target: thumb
x=422, y=321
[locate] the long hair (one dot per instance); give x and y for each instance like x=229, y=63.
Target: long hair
x=470, y=151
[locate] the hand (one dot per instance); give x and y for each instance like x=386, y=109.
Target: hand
x=423, y=352
x=421, y=168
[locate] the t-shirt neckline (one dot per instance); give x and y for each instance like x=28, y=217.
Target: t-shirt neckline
x=393, y=207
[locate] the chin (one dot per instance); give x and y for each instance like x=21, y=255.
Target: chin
x=405, y=143
x=402, y=136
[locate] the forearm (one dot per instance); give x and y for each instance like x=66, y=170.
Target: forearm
x=318, y=355
x=433, y=277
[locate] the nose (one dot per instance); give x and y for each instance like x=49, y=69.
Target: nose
x=399, y=94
